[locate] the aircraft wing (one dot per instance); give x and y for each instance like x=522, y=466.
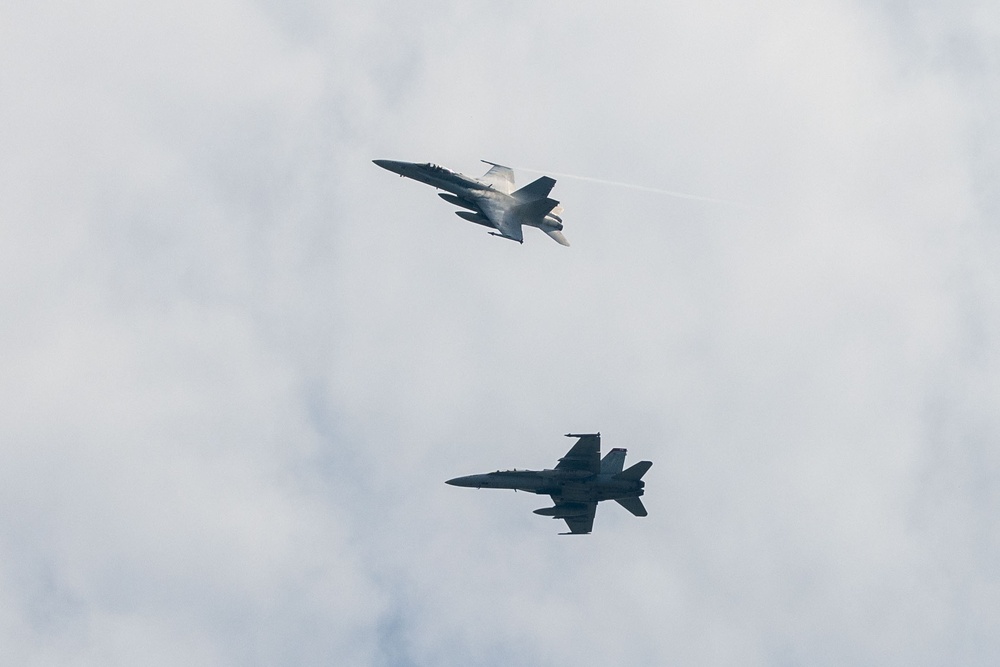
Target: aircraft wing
x=585, y=455
x=500, y=177
x=510, y=226
x=505, y=220
x=581, y=524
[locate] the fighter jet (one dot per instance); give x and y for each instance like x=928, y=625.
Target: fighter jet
x=579, y=481
x=491, y=200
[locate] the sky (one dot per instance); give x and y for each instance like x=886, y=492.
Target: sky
x=240, y=360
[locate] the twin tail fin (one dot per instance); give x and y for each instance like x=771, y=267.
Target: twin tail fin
x=636, y=471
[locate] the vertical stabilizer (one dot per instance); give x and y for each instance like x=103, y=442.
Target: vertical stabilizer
x=538, y=189
x=613, y=461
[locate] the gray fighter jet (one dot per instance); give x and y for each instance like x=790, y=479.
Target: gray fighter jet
x=491, y=200
x=579, y=481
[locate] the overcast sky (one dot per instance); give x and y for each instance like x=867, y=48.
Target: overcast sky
x=239, y=360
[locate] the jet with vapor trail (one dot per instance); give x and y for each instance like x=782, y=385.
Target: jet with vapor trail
x=579, y=481
x=491, y=199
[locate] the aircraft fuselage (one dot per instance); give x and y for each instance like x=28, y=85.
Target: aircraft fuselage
x=570, y=486
x=432, y=174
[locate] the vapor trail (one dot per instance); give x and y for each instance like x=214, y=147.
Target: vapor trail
x=632, y=186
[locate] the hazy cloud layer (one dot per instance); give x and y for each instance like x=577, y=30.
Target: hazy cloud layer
x=240, y=360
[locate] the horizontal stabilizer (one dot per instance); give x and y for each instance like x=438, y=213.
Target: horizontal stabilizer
x=635, y=472
x=633, y=504
x=538, y=189
x=534, y=210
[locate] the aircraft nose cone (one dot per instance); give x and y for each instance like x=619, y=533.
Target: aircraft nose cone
x=392, y=165
x=471, y=480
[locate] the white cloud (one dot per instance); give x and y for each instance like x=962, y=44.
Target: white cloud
x=241, y=360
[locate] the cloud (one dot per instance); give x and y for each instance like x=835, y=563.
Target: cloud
x=241, y=360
